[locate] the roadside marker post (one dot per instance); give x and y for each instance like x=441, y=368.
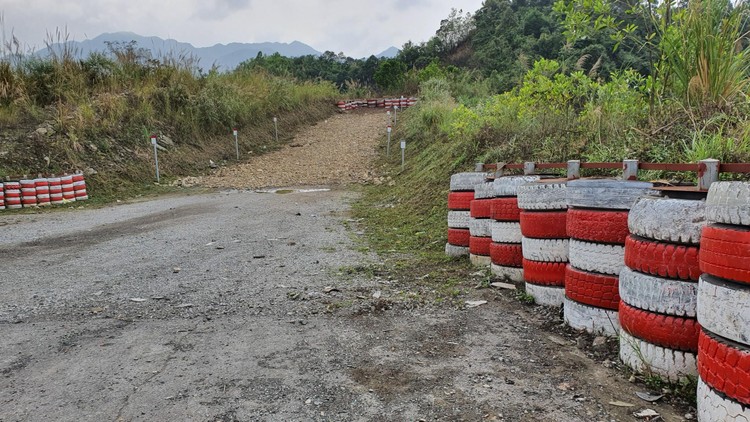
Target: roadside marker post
x=156, y=157
x=388, y=147
x=236, y=143
x=395, y=112
x=276, y=128
x=403, y=148
x=388, y=113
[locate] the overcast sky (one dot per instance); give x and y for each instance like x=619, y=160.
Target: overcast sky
x=356, y=27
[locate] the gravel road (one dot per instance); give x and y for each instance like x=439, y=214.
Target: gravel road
x=236, y=305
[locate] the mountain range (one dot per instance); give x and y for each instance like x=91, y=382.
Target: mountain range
x=224, y=56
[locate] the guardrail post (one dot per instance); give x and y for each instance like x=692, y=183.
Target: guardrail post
x=479, y=167
x=499, y=169
x=630, y=169
x=708, y=172
x=529, y=167
x=574, y=169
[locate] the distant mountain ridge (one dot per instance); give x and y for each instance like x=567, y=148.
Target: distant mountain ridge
x=224, y=56
x=389, y=53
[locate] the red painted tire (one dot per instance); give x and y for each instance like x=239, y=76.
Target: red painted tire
x=725, y=366
x=505, y=209
x=667, y=331
x=481, y=208
x=592, y=289
x=725, y=252
x=506, y=254
x=544, y=225
x=460, y=201
x=544, y=273
x=459, y=237
x=480, y=245
x=598, y=225
x=666, y=260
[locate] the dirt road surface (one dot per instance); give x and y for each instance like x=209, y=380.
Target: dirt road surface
x=245, y=306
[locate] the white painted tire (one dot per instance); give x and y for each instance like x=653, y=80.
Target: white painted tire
x=506, y=232
x=667, y=219
x=545, y=250
x=596, y=257
x=508, y=185
x=484, y=190
x=480, y=227
x=729, y=203
x=512, y=274
x=546, y=295
x=543, y=196
x=594, y=320
x=606, y=193
x=714, y=407
x=458, y=219
x=658, y=295
x=480, y=260
x=647, y=358
x=466, y=181
x=724, y=308
x=455, y=251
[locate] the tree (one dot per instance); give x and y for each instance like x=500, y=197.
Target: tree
x=390, y=74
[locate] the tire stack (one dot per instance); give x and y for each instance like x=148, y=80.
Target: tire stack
x=459, y=205
x=658, y=288
x=479, y=225
x=545, y=240
x=506, y=249
x=597, y=225
x=724, y=305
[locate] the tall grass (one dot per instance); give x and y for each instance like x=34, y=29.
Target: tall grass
x=102, y=108
x=706, y=50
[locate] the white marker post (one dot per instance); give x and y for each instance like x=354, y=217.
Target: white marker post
x=395, y=112
x=156, y=157
x=276, y=128
x=236, y=142
x=388, y=147
x=388, y=113
x=403, y=148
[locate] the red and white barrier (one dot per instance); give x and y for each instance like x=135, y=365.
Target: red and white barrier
x=28, y=193
x=55, y=190
x=79, y=187
x=12, y=195
x=43, y=191
x=68, y=189
x=722, y=306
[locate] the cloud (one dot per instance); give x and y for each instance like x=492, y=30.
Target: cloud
x=220, y=9
x=357, y=28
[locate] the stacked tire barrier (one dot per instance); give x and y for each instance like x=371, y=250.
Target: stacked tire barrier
x=658, y=289
x=348, y=105
x=506, y=249
x=597, y=225
x=480, y=242
x=545, y=240
x=42, y=192
x=724, y=305
x=12, y=195
x=459, y=209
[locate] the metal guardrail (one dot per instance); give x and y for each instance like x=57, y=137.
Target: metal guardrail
x=707, y=171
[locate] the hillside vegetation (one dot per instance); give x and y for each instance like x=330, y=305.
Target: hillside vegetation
x=60, y=114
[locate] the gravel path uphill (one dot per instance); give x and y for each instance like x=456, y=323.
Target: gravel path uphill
x=239, y=305
x=338, y=150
